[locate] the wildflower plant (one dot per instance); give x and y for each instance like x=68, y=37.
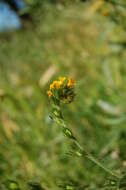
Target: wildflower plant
x=62, y=91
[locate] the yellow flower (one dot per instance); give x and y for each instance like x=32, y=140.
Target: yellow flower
x=71, y=82
x=49, y=93
x=58, y=84
x=52, y=85
x=62, y=79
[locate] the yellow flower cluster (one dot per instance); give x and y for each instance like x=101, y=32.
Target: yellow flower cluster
x=60, y=83
x=57, y=83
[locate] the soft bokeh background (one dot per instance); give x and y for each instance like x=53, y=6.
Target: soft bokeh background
x=85, y=40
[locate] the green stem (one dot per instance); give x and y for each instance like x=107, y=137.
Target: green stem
x=97, y=162
x=93, y=159
x=87, y=154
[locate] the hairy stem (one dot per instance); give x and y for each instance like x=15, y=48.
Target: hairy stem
x=86, y=153
x=95, y=161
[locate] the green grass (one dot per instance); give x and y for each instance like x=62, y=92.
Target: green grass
x=71, y=40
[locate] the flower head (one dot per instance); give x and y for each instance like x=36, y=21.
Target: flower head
x=62, y=90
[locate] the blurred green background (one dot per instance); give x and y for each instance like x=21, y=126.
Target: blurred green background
x=85, y=40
